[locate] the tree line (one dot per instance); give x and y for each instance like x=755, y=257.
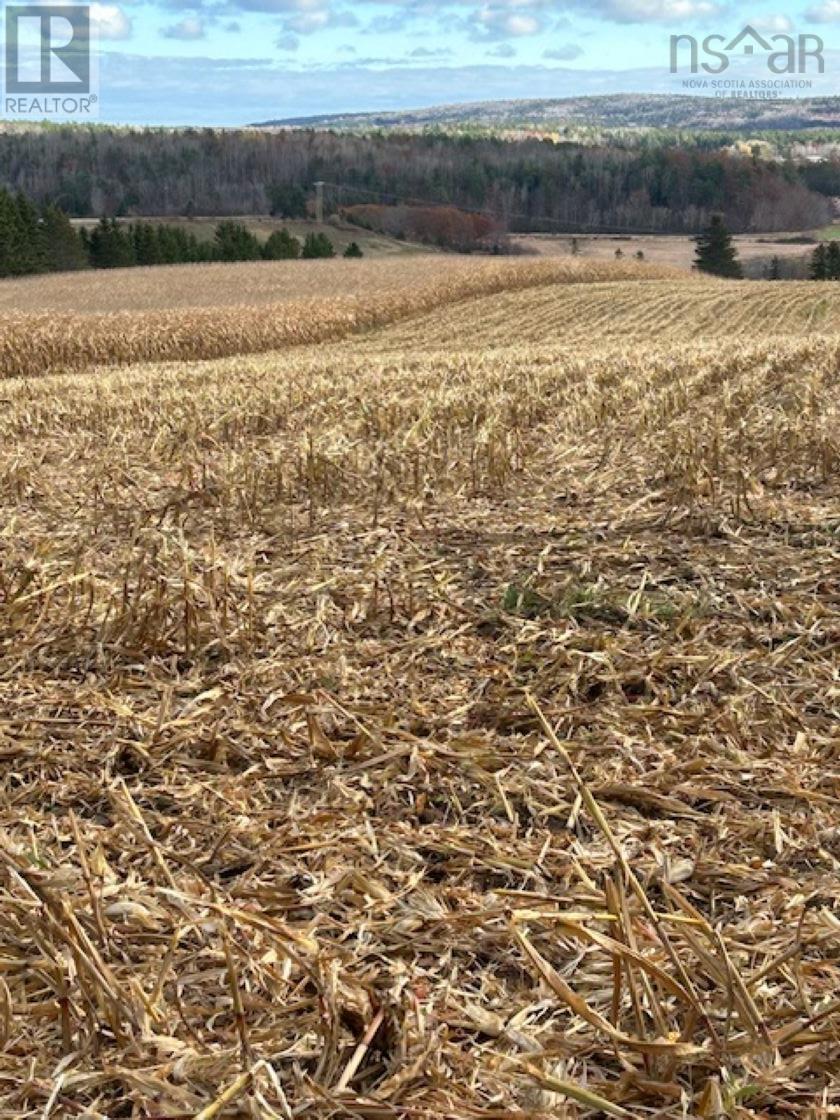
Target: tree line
x=34, y=239
x=526, y=184
x=825, y=261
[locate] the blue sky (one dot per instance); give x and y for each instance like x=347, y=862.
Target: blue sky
x=229, y=62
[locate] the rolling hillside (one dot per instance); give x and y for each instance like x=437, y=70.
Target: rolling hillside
x=620, y=110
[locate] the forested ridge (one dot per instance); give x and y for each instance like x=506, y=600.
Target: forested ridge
x=528, y=184
x=641, y=111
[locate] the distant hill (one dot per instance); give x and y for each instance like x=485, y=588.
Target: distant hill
x=609, y=111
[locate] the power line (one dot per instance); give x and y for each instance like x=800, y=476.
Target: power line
x=579, y=227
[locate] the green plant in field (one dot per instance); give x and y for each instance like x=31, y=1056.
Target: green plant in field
x=519, y=599
x=594, y=602
x=577, y=601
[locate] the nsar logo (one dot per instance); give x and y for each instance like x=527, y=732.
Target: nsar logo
x=785, y=54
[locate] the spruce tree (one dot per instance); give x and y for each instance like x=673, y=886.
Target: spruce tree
x=111, y=246
x=146, y=247
x=353, y=250
x=30, y=241
x=317, y=245
x=832, y=261
x=63, y=249
x=21, y=244
x=171, y=250
x=9, y=239
x=281, y=246
x=286, y=200
x=819, y=263
x=715, y=253
x=234, y=242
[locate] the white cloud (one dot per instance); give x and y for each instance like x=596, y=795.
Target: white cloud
x=110, y=21
x=503, y=50
x=301, y=5
x=306, y=22
x=189, y=28
x=280, y=7
x=310, y=18
x=779, y=24
x=497, y=22
x=521, y=25
x=657, y=11
x=828, y=12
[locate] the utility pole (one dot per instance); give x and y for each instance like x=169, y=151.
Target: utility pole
x=319, y=201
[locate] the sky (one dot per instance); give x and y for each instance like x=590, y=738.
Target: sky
x=235, y=62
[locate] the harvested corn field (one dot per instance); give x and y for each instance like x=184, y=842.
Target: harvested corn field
x=390, y=732
x=639, y=312
x=244, y=283
x=163, y=317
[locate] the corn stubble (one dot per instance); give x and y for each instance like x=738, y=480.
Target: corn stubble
x=392, y=731
x=163, y=315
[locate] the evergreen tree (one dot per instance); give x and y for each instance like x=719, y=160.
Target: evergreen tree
x=832, y=261
x=146, y=245
x=715, y=252
x=63, y=249
x=775, y=272
x=353, y=250
x=111, y=246
x=170, y=245
x=819, y=263
x=204, y=250
x=192, y=248
x=30, y=241
x=317, y=245
x=21, y=244
x=9, y=236
x=281, y=246
x=233, y=242
x=285, y=200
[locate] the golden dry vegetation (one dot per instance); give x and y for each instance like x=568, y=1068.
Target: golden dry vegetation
x=204, y=311
x=261, y=283
x=408, y=726
x=241, y=284
x=634, y=311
